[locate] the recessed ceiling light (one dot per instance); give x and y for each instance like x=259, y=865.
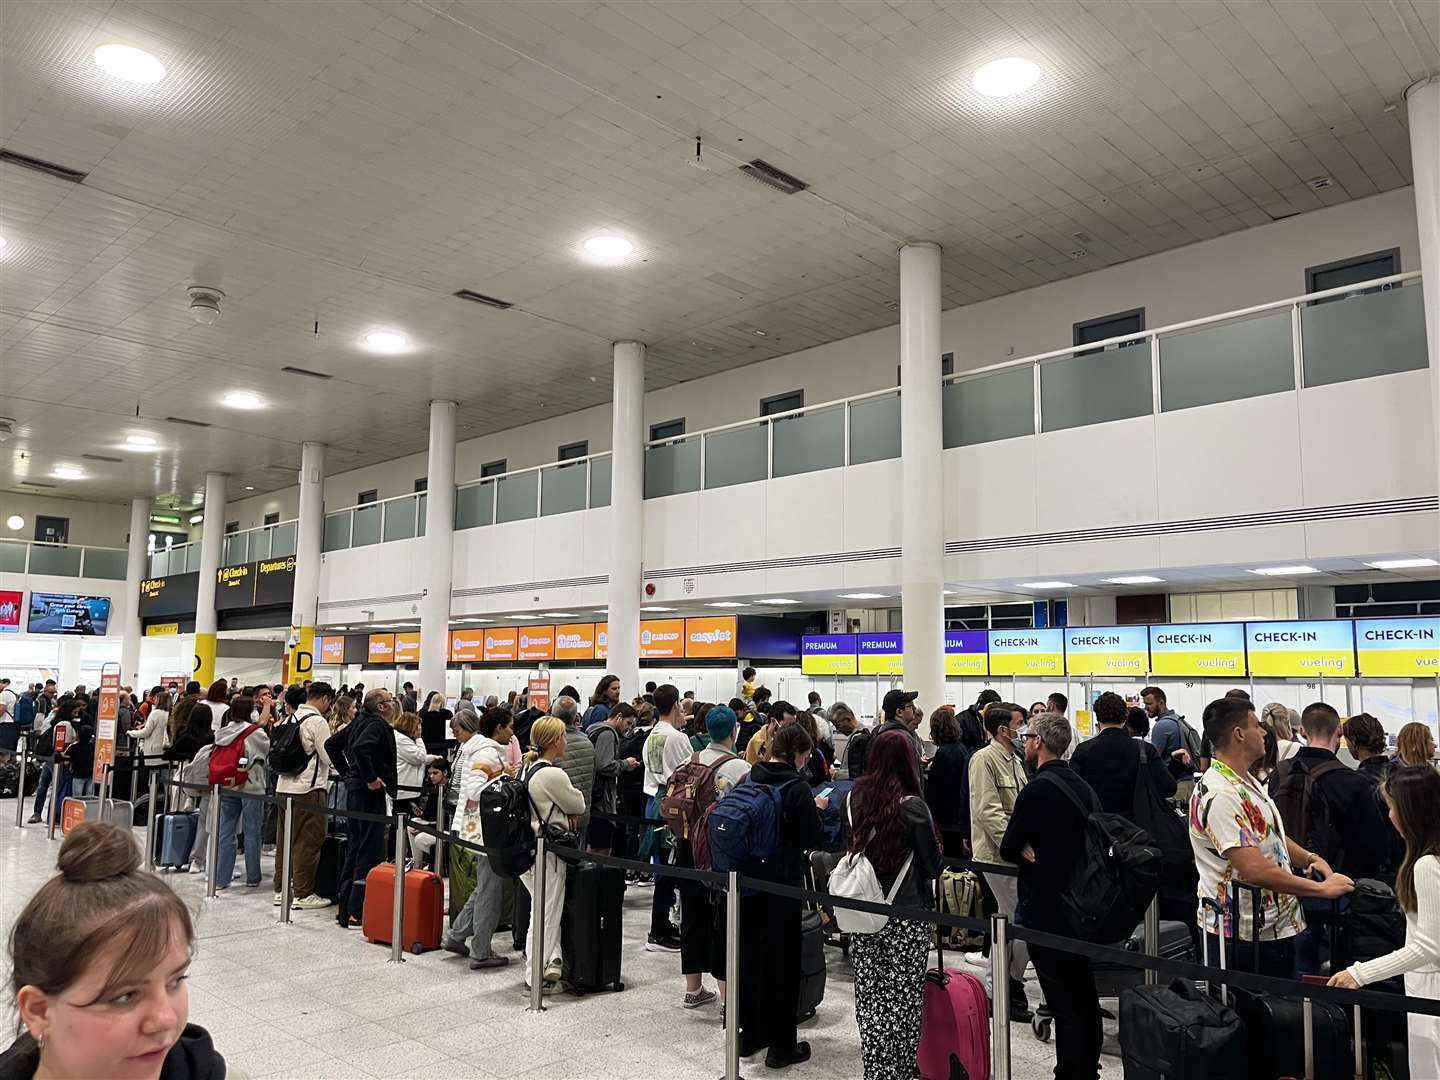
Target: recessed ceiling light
x=725, y=603
x=67, y=472
x=606, y=248
x=142, y=441
x=1284, y=571
x=386, y=341
x=863, y=596
x=657, y=609
x=243, y=399
x=129, y=63
x=1137, y=579
x=777, y=600
x=1046, y=585
x=1401, y=564
x=1002, y=78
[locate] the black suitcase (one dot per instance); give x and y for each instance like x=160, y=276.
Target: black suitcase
x=812, y=965
x=1177, y=1033
x=328, y=866
x=591, y=935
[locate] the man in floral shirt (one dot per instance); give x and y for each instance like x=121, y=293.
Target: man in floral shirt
x=1237, y=835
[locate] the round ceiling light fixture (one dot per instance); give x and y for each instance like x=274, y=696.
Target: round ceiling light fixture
x=1004, y=78
x=129, y=63
x=387, y=342
x=67, y=472
x=608, y=248
x=141, y=442
x=243, y=399
x=15, y=522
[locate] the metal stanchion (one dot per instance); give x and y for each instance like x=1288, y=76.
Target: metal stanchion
x=1152, y=939
x=20, y=781
x=212, y=840
x=536, y=936
x=285, y=886
x=999, y=997
x=732, y=977
x=154, y=795
x=397, y=912
x=54, y=814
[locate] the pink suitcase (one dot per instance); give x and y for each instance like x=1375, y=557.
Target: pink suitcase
x=954, y=1027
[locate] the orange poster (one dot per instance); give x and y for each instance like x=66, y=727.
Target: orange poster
x=536, y=643
x=382, y=649
x=575, y=641
x=332, y=650
x=712, y=636
x=407, y=648
x=602, y=640
x=501, y=643
x=662, y=639
x=105, y=720
x=467, y=646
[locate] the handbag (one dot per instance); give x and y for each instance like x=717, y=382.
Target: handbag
x=854, y=878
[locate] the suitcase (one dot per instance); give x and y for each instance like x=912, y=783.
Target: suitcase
x=954, y=1022
x=174, y=837
x=423, y=916
x=812, y=965
x=1177, y=1033
x=591, y=933
x=328, y=867
x=1175, y=944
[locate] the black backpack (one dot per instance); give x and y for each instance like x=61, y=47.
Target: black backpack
x=1304, y=808
x=287, y=750
x=1116, y=874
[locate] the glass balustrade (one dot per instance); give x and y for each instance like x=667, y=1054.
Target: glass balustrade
x=1227, y=361
x=875, y=429
x=672, y=468
x=738, y=456
x=1374, y=332
x=809, y=442
x=988, y=408
x=1112, y=384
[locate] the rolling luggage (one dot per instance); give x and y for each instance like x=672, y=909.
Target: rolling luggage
x=422, y=919
x=591, y=934
x=954, y=1022
x=812, y=965
x=174, y=837
x=328, y=866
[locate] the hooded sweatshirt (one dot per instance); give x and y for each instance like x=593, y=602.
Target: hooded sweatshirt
x=193, y=1057
x=257, y=749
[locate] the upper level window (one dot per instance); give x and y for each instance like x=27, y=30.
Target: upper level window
x=670, y=429
x=1337, y=275
x=780, y=403
x=367, y=496
x=273, y=518
x=423, y=484
x=493, y=468
x=1108, y=326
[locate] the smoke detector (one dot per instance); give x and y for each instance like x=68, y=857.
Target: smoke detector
x=205, y=304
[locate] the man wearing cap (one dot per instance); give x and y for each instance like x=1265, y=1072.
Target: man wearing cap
x=898, y=713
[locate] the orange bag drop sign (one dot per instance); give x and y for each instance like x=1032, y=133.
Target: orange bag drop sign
x=106, y=717
x=539, y=693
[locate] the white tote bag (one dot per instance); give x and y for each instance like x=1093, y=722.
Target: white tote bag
x=854, y=879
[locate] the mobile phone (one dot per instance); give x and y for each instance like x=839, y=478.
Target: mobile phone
x=826, y=793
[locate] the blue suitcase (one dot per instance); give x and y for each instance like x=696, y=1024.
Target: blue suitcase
x=175, y=836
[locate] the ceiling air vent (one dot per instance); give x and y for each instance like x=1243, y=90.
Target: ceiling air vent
x=481, y=298
x=306, y=372
x=187, y=423
x=102, y=457
x=770, y=176
x=60, y=172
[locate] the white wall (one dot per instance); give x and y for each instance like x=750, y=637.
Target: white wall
x=100, y=524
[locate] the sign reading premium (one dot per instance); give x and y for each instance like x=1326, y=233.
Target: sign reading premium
x=173, y=595
x=1107, y=650
x=1027, y=652
x=1399, y=648
x=828, y=654
x=1197, y=650
x=1288, y=650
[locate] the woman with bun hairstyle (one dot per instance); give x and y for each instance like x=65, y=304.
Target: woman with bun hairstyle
x=98, y=966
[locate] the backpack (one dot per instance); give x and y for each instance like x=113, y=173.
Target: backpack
x=224, y=768
x=690, y=793
x=287, y=749
x=744, y=826
x=505, y=825
x=1116, y=874
x=856, y=751
x=1304, y=808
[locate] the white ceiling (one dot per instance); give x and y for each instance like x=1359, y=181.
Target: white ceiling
x=354, y=164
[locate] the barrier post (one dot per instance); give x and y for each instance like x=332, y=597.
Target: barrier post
x=536, y=936
x=54, y=796
x=732, y=977
x=212, y=840
x=20, y=781
x=286, y=890
x=1152, y=938
x=397, y=908
x=153, y=796
x=999, y=997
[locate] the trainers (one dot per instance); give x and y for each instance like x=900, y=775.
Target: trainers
x=313, y=902
x=699, y=997
x=663, y=943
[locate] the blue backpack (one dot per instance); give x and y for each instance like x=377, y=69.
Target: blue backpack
x=744, y=826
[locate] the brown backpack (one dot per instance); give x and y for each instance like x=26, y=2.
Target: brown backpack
x=690, y=793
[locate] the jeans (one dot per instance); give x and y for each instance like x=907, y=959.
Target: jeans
x=481, y=912
x=305, y=841
x=546, y=938
x=250, y=813
x=364, y=850
x=1069, y=988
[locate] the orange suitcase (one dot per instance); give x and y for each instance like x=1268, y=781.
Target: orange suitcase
x=421, y=921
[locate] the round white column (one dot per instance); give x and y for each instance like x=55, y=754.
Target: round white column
x=922, y=490
x=309, y=532
x=1422, y=102
x=210, y=545
x=439, y=550
x=136, y=563
x=627, y=510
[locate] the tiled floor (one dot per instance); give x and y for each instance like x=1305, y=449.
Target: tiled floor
x=312, y=1001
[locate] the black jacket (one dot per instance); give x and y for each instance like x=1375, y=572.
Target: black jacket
x=1046, y=820
x=919, y=839
x=193, y=1057
x=947, y=791
x=370, y=752
x=1109, y=762
x=800, y=828
x=1354, y=811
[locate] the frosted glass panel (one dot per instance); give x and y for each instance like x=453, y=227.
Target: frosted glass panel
x=12, y=558
x=807, y=443
x=474, y=506
x=875, y=430
x=1091, y=389
x=515, y=497
x=337, y=531
x=399, y=519
x=282, y=540
x=672, y=468
x=600, y=481
x=735, y=457
x=1376, y=333
x=562, y=490
x=991, y=407
x=105, y=563
x=365, y=529
x=45, y=559
x=1227, y=362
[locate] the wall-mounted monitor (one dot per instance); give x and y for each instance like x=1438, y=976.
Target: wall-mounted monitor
x=65, y=613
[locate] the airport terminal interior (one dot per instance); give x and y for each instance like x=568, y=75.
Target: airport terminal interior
x=452, y=356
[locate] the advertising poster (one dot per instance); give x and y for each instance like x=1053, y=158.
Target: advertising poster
x=1027, y=652
x=710, y=636
x=966, y=653
x=575, y=641
x=1198, y=650
x=1399, y=648
x=1288, y=650
x=10, y=611
x=828, y=654
x=880, y=654
x=1107, y=650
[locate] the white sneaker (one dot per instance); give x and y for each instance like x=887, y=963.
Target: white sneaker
x=313, y=902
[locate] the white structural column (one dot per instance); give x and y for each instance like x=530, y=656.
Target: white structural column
x=922, y=486
x=627, y=513
x=309, y=531
x=135, y=565
x=210, y=542
x=1423, y=103
x=439, y=549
